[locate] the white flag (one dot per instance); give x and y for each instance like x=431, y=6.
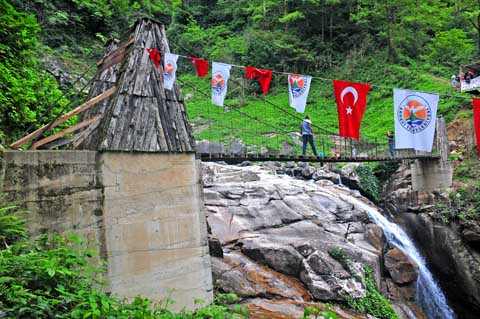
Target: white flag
x=415, y=118
x=298, y=88
x=220, y=76
x=169, y=70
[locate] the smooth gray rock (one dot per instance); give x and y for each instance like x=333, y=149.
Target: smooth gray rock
x=282, y=258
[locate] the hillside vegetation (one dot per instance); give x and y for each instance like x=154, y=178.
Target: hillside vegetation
x=404, y=44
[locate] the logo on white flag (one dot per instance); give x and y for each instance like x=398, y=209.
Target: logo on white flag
x=169, y=70
x=414, y=113
x=220, y=76
x=218, y=83
x=298, y=88
x=415, y=118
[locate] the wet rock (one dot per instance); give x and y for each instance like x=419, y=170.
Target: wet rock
x=375, y=236
x=215, y=247
x=282, y=258
x=349, y=176
x=472, y=234
x=328, y=287
x=290, y=165
x=307, y=172
x=400, y=267
x=302, y=164
x=323, y=264
x=245, y=163
x=321, y=174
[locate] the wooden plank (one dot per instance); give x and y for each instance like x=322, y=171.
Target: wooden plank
x=113, y=59
x=71, y=129
x=60, y=142
x=120, y=51
x=63, y=118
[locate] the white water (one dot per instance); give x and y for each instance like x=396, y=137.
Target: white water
x=429, y=295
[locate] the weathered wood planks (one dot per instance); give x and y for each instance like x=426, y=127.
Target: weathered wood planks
x=64, y=117
x=71, y=129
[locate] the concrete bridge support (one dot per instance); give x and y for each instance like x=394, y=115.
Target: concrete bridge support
x=428, y=175
x=143, y=211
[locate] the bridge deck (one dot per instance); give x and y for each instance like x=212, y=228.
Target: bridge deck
x=238, y=158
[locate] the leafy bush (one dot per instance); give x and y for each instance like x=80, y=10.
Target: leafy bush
x=384, y=170
x=369, y=185
x=373, y=303
x=464, y=205
x=51, y=277
x=26, y=91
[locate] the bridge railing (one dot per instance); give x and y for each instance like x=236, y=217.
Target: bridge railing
x=327, y=145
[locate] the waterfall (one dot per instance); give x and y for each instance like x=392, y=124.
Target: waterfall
x=429, y=295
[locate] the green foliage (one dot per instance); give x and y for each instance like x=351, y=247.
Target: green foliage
x=326, y=313
x=464, y=205
x=369, y=184
x=450, y=48
x=12, y=223
x=373, y=303
x=26, y=91
x=384, y=171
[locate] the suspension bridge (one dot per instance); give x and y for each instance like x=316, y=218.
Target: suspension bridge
x=127, y=109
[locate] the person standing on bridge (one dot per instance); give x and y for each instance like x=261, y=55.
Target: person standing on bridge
x=307, y=135
x=391, y=143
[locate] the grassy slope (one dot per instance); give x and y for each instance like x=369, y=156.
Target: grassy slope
x=229, y=125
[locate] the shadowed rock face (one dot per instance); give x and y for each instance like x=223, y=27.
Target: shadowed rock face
x=287, y=242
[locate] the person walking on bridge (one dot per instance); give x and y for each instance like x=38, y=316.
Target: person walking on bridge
x=307, y=135
x=391, y=143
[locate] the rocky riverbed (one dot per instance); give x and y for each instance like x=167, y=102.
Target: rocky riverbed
x=281, y=242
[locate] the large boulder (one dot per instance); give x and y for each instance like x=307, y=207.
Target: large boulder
x=400, y=267
x=282, y=258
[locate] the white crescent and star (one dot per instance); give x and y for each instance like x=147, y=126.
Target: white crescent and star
x=349, y=89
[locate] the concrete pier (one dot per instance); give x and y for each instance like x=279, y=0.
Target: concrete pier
x=143, y=211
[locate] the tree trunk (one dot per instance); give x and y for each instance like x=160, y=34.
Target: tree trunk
x=392, y=53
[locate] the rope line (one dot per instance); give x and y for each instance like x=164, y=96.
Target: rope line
x=330, y=80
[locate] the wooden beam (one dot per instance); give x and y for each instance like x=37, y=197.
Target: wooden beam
x=63, y=118
x=71, y=129
x=116, y=56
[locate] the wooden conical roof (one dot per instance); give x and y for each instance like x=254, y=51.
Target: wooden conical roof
x=141, y=115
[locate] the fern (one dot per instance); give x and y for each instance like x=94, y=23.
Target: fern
x=12, y=224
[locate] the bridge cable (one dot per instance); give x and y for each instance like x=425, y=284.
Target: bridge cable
x=238, y=111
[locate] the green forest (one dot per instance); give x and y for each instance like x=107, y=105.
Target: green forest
x=393, y=43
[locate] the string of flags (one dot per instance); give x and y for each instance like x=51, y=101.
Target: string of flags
x=414, y=112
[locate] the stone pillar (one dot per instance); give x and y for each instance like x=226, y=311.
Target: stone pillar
x=428, y=175
x=143, y=211
x=155, y=233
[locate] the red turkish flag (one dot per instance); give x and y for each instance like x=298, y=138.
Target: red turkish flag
x=263, y=76
x=154, y=56
x=476, y=121
x=351, y=104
